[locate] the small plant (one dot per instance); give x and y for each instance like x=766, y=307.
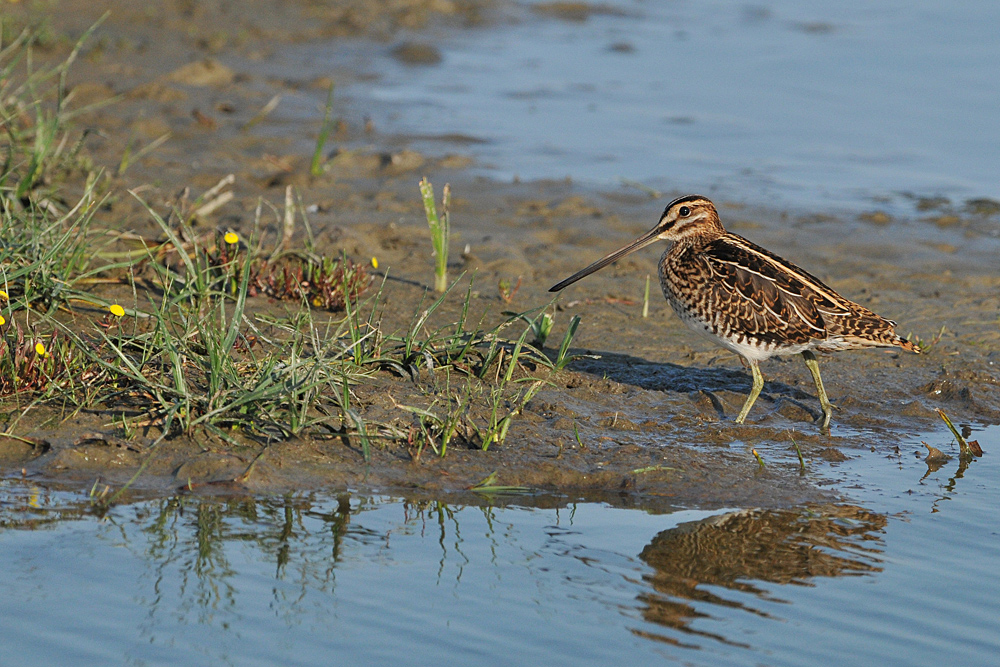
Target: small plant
x=440, y=226
x=127, y=428
x=322, y=283
x=798, y=451
x=926, y=345
x=30, y=364
x=541, y=327
x=496, y=430
x=564, y=357
x=353, y=417
x=507, y=290
x=316, y=167
x=443, y=429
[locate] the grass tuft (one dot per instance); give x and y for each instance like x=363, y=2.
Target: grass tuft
x=189, y=352
x=440, y=226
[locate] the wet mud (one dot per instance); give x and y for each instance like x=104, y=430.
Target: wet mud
x=648, y=408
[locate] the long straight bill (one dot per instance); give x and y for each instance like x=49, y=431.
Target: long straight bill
x=649, y=237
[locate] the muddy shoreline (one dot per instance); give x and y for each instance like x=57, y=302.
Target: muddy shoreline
x=648, y=408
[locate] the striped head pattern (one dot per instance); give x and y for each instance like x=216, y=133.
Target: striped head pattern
x=687, y=217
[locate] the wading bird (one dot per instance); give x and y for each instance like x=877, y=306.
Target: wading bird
x=749, y=300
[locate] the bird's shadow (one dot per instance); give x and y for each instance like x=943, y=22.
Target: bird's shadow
x=674, y=378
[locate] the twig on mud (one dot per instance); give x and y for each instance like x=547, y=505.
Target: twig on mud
x=265, y=110
x=215, y=198
x=968, y=449
x=34, y=442
x=245, y=477
x=287, y=227
x=654, y=468
x=487, y=486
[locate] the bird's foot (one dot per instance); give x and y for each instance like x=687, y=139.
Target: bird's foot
x=824, y=419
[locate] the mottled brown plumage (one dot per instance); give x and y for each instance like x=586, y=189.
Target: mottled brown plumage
x=748, y=299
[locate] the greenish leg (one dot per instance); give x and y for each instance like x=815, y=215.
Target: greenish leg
x=823, y=400
x=758, y=384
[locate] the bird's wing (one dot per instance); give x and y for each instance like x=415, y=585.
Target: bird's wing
x=772, y=299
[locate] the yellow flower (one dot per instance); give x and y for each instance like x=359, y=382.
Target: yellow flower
x=40, y=349
x=3, y=295
x=116, y=310
x=2, y=321
x=317, y=302
x=231, y=238
x=374, y=262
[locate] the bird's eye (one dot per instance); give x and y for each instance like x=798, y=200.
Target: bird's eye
x=684, y=212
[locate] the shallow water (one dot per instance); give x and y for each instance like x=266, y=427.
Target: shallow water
x=794, y=104
x=900, y=572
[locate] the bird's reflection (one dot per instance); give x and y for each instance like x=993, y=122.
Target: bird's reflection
x=741, y=550
x=197, y=549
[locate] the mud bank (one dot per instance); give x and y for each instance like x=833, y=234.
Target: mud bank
x=648, y=407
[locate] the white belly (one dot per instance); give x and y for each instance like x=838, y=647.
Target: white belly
x=745, y=347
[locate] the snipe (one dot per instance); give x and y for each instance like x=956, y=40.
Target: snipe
x=749, y=300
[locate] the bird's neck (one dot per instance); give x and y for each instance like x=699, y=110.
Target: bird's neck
x=700, y=237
